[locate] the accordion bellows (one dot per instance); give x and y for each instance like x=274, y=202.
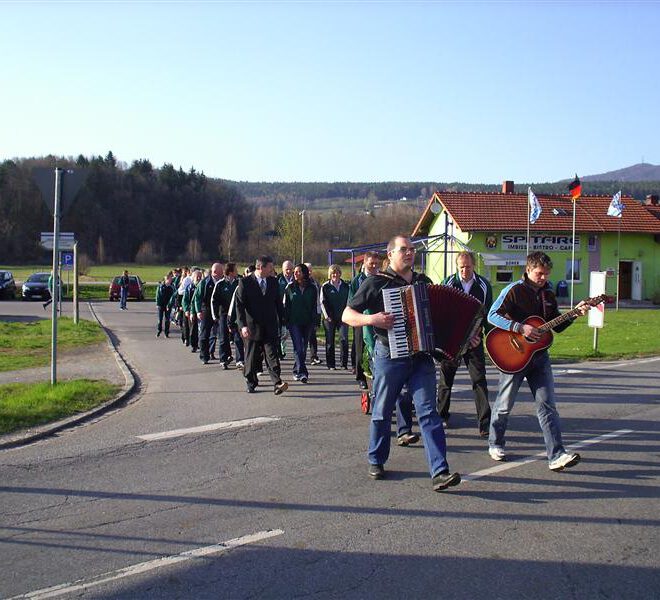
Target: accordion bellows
x=431, y=317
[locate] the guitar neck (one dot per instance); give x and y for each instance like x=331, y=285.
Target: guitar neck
x=558, y=320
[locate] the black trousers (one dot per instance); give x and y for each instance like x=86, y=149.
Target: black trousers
x=475, y=361
x=224, y=339
x=331, y=328
x=358, y=342
x=194, y=331
x=163, y=313
x=254, y=351
x=205, y=328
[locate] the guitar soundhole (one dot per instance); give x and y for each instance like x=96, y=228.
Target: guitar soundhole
x=516, y=344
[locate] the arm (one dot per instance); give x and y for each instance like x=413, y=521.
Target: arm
x=352, y=317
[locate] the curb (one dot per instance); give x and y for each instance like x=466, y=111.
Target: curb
x=131, y=385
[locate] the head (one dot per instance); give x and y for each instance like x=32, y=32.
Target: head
x=372, y=262
x=264, y=266
x=217, y=270
x=465, y=265
x=538, y=268
x=287, y=269
x=230, y=270
x=196, y=276
x=125, y=271
x=334, y=273
x=401, y=252
x=250, y=269
x=301, y=274
x=168, y=278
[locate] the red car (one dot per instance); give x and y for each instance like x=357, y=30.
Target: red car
x=135, y=288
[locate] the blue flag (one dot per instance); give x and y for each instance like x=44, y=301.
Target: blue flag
x=616, y=206
x=534, y=206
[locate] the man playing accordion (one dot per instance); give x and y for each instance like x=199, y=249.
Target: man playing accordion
x=416, y=371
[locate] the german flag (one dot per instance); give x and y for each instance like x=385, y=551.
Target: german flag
x=575, y=188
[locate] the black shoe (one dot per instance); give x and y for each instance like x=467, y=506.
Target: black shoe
x=376, y=471
x=251, y=388
x=363, y=384
x=444, y=480
x=280, y=388
x=303, y=379
x=193, y=349
x=406, y=439
x=158, y=334
x=225, y=365
x=167, y=335
x=206, y=361
x=213, y=357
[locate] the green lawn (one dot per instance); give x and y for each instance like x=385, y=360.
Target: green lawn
x=29, y=404
x=101, y=273
x=627, y=333
x=24, y=345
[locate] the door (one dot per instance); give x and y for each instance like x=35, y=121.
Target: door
x=625, y=280
x=637, y=280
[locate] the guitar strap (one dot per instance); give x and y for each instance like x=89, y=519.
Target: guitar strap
x=545, y=317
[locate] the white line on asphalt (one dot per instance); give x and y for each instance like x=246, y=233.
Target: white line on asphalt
x=203, y=428
x=505, y=466
x=82, y=584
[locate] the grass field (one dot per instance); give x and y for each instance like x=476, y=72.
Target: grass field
x=29, y=404
x=24, y=345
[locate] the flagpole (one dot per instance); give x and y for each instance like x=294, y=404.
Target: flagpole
x=618, y=262
x=573, y=252
x=528, y=213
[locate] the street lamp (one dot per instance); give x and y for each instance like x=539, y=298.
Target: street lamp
x=302, y=235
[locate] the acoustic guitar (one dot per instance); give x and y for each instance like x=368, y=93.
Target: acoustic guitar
x=511, y=352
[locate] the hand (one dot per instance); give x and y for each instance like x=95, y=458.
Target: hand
x=475, y=340
x=187, y=314
x=583, y=308
x=382, y=320
x=200, y=315
x=245, y=332
x=531, y=333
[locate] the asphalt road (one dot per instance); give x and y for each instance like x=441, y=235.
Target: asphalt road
x=281, y=507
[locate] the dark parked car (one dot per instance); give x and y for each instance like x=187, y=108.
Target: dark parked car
x=135, y=288
x=36, y=286
x=7, y=285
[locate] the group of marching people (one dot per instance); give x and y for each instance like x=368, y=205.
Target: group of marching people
x=213, y=309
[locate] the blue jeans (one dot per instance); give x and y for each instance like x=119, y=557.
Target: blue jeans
x=300, y=338
x=541, y=383
x=123, y=296
x=390, y=375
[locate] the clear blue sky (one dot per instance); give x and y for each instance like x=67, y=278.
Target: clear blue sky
x=336, y=91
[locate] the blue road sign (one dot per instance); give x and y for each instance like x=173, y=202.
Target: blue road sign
x=66, y=261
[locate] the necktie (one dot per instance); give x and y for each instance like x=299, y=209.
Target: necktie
x=263, y=286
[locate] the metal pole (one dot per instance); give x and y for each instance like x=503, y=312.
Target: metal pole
x=573, y=252
x=595, y=339
x=618, y=263
x=54, y=274
x=76, y=313
x=528, y=210
x=302, y=236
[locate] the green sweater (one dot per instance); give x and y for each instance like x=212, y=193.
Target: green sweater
x=300, y=305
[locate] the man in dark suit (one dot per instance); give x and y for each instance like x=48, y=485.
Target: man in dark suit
x=259, y=312
x=466, y=280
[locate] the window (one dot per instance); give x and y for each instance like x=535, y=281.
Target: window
x=574, y=272
x=504, y=275
x=592, y=244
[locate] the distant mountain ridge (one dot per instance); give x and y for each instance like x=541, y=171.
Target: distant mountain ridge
x=638, y=172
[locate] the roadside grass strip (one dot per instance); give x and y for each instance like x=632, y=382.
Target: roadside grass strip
x=25, y=405
x=85, y=584
x=174, y=433
x=512, y=464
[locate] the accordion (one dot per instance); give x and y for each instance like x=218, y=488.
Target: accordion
x=430, y=318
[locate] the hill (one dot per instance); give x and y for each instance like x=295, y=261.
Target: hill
x=638, y=172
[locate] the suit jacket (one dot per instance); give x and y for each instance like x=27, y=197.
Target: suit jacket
x=261, y=313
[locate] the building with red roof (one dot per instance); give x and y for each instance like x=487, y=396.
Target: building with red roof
x=494, y=226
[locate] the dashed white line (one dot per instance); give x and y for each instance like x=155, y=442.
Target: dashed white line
x=513, y=464
x=82, y=584
x=150, y=437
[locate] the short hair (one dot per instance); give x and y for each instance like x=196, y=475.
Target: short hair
x=230, y=267
x=538, y=259
x=334, y=269
x=250, y=269
x=372, y=254
x=392, y=243
x=262, y=261
x=466, y=254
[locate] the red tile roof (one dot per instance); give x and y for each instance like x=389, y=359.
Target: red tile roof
x=484, y=211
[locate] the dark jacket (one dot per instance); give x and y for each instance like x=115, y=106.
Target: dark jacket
x=481, y=290
x=261, y=313
x=202, y=297
x=221, y=296
x=333, y=300
x=300, y=305
x=165, y=295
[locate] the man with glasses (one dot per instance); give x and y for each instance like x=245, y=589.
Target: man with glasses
x=417, y=371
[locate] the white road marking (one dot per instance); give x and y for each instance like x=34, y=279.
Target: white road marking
x=82, y=584
x=504, y=466
x=149, y=437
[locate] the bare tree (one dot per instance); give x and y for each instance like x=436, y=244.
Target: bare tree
x=193, y=250
x=227, y=237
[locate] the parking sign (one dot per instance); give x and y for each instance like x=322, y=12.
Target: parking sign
x=66, y=261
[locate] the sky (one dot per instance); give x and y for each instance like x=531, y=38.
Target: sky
x=473, y=92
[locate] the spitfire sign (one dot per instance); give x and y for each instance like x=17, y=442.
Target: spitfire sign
x=547, y=243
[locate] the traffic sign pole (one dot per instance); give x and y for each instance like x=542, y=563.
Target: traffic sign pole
x=76, y=314
x=55, y=275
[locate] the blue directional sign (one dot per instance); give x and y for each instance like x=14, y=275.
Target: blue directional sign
x=66, y=261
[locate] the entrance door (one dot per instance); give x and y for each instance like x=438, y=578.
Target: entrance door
x=625, y=280
x=637, y=280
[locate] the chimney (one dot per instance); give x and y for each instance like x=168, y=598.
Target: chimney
x=507, y=187
x=651, y=200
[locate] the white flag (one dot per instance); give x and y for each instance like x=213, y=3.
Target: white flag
x=616, y=206
x=534, y=206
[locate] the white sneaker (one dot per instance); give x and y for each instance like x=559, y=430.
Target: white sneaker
x=496, y=453
x=239, y=364
x=564, y=460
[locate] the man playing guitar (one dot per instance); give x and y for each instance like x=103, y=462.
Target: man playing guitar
x=530, y=296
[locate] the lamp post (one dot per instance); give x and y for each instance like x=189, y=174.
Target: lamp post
x=302, y=235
